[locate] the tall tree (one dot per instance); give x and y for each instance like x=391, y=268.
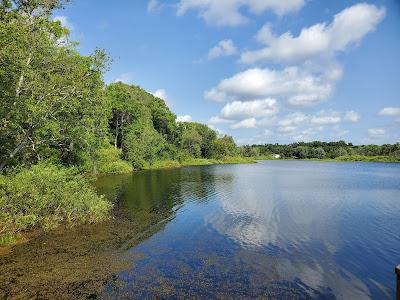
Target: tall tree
x=49, y=93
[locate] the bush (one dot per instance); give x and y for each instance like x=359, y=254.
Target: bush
x=163, y=164
x=46, y=196
x=109, y=161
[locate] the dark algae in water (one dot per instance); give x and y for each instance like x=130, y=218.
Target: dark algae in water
x=272, y=230
x=71, y=264
x=77, y=262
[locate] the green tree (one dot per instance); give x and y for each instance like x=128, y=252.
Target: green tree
x=164, y=121
x=191, y=142
x=51, y=96
x=225, y=147
x=249, y=151
x=143, y=145
x=319, y=153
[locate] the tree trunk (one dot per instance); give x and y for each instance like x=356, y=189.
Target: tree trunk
x=21, y=79
x=122, y=130
x=116, y=135
x=16, y=150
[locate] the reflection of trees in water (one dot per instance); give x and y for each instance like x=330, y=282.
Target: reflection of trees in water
x=143, y=193
x=160, y=190
x=198, y=183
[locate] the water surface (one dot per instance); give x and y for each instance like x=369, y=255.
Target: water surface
x=276, y=229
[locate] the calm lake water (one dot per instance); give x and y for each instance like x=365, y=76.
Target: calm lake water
x=275, y=229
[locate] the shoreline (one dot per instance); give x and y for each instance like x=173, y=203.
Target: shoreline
x=170, y=164
x=330, y=160
x=198, y=162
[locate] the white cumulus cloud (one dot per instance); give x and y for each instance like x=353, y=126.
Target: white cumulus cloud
x=334, y=117
x=298, y=85
x=153, y=6
x=64, y=21
x=376, y=133
x=347, y=28
x=352, y=116
x=161, y=93
x=249, y=109
x=218, y=120
x=305, y=127
x=124, y=78
x=223, y=48
x=230, y=12
x=246, y=123
x=185, y=118
x=287, y=129
x=326, y=118
x=293, y=119
x=390, y=111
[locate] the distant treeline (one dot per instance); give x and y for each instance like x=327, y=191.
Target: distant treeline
x=324, y=150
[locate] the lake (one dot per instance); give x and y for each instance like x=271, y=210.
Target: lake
x=284, y=229
x=275, y=229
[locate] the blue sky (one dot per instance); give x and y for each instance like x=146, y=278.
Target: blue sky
x=263, y=71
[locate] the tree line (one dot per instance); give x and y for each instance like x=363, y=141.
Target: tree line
x=325, y=150
x=56, y=106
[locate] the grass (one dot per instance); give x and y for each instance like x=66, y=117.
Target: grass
x=9, y=238
x=169, y=164
x=363, y=158
x=349, y=158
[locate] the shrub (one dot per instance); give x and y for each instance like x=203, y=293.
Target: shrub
x=163, y=164
x=46, y=196
x=108, y=161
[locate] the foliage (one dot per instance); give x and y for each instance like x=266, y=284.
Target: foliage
x=332, y=150
x=196, y=139
x=108, y=161
x=143, y=144
x=54, y=105
x=146, y=131
x=51, y=97
x=46, y=196
x=363, y=158
x=168, y=164
x=225, y=147
x=248, y=151
x=191, y=142
x=163, y=164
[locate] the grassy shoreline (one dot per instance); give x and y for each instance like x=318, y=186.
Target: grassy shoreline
x=171, y=164
x=354, y=158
